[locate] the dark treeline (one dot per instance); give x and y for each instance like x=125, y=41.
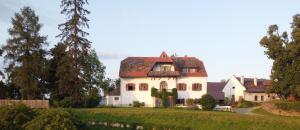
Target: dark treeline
x=70, y=74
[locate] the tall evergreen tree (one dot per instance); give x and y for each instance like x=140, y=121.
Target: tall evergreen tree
x=25, y=54
x=285, y=51
x=71, y=70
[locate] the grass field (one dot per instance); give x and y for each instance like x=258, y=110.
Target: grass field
x=189, y=119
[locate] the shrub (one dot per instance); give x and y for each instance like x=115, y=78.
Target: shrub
x=164, y=97
x=53, y=119
x=190, y=102
x=174, y=95
x=14, y=117
x=65, y=103
x=208, y=102
x=285, y=105
x=227, y=101
x=138, y=104
x=154, y=92
x=246, y=104
x=92, y=99
x=197, y=100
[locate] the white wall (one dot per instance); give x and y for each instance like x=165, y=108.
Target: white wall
x=251, y=97
x=127, y=97
x=238, y=91
x=189, y=81
x=110, y=100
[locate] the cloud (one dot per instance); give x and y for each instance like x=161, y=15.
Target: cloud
x=106, y=55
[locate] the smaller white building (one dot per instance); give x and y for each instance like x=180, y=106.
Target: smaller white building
x=249, y=89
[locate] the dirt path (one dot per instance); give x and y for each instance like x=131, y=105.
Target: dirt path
x=246, y=111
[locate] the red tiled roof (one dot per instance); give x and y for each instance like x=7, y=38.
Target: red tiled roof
x=133, y=67
x=215, y=89
x=262, y=85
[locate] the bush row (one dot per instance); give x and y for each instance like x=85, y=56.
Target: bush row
x=21, y=117
x=285, y=105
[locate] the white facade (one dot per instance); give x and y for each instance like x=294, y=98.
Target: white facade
x=234, y=88
x=259, y=97
x=127, y=97
x=138, y=75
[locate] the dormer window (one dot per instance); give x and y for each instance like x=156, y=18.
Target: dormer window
x=189, y=70
x=185, y=70
x=165, y=68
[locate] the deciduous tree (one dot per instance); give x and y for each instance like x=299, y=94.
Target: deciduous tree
x=284, y=50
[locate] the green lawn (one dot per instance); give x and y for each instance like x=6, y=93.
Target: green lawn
x=188, y=119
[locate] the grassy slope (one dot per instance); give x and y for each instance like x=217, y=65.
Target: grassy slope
x=188, y=118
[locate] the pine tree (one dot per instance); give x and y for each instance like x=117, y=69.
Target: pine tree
x=71, y=68
x=25, y=55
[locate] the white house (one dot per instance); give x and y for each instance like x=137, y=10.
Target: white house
x=249, y=89
x=139, y=74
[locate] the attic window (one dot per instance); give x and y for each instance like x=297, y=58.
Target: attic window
x=164, y=56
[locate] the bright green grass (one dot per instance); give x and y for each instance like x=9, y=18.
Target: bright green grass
x=193, y=119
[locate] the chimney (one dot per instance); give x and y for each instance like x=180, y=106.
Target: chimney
x=255, y=81
x=242, y=80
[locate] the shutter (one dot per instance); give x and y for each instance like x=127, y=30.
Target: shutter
x=133, y=85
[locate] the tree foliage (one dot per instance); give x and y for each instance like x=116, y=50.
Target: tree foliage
x=72, y=71
x=284, y=50
x=25, y=54
x=9, y=91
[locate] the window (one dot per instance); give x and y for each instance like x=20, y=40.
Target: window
x=143, y=87
x=255, y=98
x=163, y=85
x=262, y=98
x=189, y=70
x=197, y=87
x=165, y=68
x=116, y=98
x=130, y=87
x=185, y=70
x=193, y=70
x=181, y=87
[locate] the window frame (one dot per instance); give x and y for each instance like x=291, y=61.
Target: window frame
x=118, y=98
x=129, y=84
x=146, y=86
x=194, y=87
x=183, y=85
x=255, y=98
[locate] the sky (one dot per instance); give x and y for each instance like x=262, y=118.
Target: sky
x=224, y=34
